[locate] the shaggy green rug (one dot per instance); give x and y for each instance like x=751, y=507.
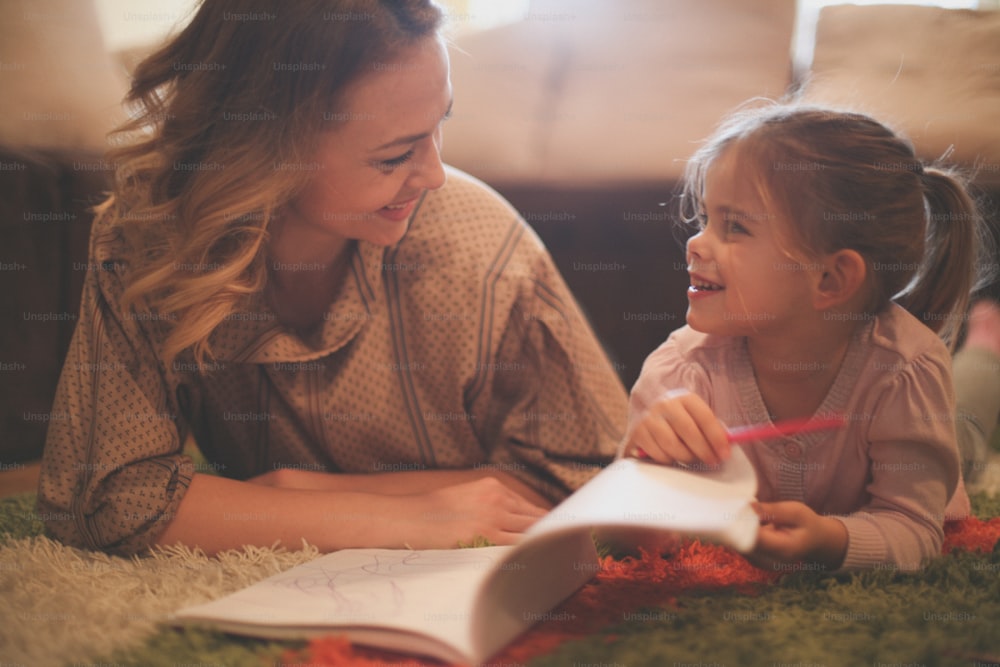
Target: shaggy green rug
x=947, y=615
x=64, y=606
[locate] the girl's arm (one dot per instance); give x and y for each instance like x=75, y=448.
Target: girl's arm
x=217, y=513
x=913, y=468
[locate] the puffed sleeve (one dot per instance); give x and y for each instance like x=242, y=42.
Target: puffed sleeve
x=554, y=405
x=666, y=369
x=112, y=471
x=914, y=470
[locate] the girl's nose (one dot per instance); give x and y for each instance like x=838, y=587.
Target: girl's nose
x=697, y=247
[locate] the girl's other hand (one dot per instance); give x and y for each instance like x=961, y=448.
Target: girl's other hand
x=791, y=532
x=679, y=428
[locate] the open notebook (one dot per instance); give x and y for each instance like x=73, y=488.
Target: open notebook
x=464, y=605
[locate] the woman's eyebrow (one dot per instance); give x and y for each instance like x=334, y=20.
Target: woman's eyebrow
x=413, y=138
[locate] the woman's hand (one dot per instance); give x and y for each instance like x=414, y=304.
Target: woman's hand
x=440, y=508
x=679, y=428
x=790, y=532
x=458, y=514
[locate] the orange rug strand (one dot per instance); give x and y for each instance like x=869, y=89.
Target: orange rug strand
x=619, y=590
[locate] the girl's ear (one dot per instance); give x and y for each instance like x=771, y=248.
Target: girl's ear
x=843, y=274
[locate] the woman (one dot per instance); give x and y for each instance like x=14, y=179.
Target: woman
x=372, y=349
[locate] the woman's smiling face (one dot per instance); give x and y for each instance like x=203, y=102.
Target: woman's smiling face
x=384, y=152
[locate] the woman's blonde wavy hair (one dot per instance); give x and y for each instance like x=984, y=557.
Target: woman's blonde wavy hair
x=246, y=86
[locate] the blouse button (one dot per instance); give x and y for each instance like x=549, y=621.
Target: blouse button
x=793, y=451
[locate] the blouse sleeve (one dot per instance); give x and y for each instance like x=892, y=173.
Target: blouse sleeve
x=666, y=369
x=914, y=470
x=554, y=405
x=112, y=471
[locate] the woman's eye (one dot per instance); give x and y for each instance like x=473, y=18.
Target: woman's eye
x=392, y=163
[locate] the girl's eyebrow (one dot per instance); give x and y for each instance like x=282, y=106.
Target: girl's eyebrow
x=741, y=215
x=413, y=138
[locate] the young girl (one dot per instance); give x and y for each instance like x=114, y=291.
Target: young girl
x=827, y=266
x=370, y=349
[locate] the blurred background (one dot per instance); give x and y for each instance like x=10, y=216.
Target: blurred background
x=580, y=112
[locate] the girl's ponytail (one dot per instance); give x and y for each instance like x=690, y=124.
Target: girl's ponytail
x=951, y=268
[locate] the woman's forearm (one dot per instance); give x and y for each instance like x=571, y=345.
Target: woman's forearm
x=393, y=483
x=218, y=513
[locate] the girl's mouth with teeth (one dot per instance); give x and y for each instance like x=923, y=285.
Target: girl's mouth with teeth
x=699, y=285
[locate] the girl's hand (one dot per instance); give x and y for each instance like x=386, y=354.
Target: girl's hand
x=790, y=532
x=679, y=428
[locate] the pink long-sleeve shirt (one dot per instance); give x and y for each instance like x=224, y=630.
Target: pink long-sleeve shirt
x=891, y=475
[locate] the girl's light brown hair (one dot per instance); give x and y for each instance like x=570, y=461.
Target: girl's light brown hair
x=224, y=113
x=844, y=180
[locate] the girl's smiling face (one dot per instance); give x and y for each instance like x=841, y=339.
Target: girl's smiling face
x=746, y=278
x=384, y=152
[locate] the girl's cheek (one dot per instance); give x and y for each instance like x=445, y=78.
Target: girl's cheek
x=727, y=262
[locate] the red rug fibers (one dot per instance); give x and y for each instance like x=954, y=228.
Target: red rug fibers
x=616, y=592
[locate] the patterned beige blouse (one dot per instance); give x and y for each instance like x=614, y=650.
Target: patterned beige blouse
x=460, y=347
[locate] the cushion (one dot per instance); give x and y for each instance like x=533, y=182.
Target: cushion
x=588, y=92
x=60, y=88
x=931, y=73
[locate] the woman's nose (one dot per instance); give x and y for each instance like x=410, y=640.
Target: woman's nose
x=429, y=173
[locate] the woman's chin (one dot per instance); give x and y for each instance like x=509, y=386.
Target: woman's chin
x=385, y=235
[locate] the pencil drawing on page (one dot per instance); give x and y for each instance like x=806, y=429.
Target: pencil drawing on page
x=377, y=584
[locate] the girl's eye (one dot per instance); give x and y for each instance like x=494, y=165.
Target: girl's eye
x=392, y=163
x=734, y=227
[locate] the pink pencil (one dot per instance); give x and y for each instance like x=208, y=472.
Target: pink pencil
x=742, y=434
x=782, y=428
